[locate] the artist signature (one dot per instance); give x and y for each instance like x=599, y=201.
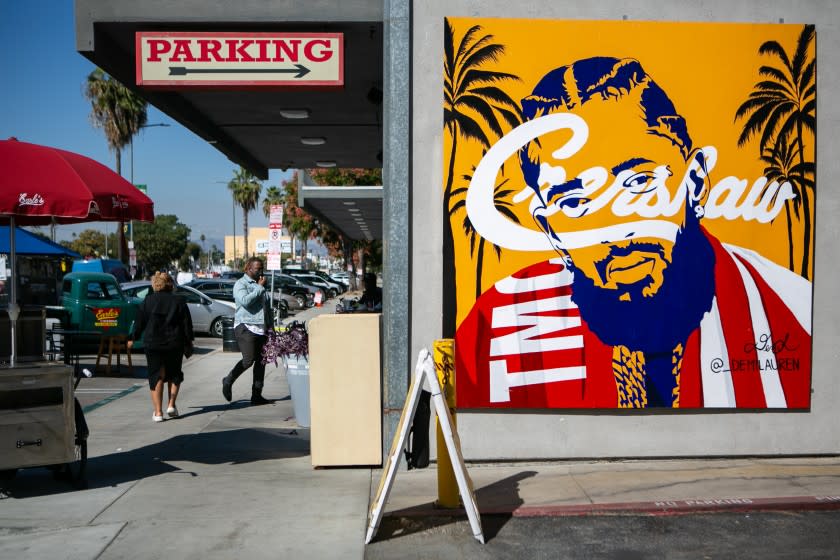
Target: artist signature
x=765, y=343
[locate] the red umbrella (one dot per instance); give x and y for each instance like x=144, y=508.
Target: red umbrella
x=41, y=185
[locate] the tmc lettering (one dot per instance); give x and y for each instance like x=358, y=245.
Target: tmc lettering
x=537, y=332
x=239, y=50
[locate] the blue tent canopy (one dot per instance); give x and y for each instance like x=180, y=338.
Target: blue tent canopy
x=29, y=244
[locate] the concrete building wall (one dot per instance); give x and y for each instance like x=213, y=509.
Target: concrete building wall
x=552, y=434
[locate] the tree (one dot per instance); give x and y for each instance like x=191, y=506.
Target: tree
x=88, y=243
x=191, y=255
x=356, y=176
x=297, y=221
x=273, y=196
x=366, y=252
x=203, y=238
x=216, y=255
x=469, y=99
x=161, y=242
x=120, y=113
x=246, y=190
x=782, y=107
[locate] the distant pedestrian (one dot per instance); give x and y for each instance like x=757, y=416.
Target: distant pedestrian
x=371, y=299
x=164, y=322
x=251, y=323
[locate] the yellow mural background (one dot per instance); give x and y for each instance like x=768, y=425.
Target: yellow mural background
x=707, y=70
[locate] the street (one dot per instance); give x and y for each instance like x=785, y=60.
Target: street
x=784, y=535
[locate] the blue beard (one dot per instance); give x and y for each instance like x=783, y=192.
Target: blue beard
x=655, y=324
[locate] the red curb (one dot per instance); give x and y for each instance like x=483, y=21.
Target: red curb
x=683, y=507
x=662, y=507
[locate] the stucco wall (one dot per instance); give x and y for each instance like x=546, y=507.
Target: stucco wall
x=549, y=434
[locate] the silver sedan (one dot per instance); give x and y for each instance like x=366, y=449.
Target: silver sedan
x=206, y=313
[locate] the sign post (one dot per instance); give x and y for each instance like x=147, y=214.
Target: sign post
x=275, y=230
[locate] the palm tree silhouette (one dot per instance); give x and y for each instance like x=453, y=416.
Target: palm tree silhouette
x=501, y=204
x=469, y=98
x=781, y=108
x=781, y=167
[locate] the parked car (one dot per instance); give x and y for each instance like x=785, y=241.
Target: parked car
x=221, y=289
x=342, y=277
x=206, y=313
x=232, y=275
x=95, y=303
x=335, y=284
x=329, y=289
x=302, y=293
x=215, y=288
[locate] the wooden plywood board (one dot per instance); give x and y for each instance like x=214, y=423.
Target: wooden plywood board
x=344, y=385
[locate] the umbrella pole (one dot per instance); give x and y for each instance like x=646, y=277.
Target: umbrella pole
x=14, y=310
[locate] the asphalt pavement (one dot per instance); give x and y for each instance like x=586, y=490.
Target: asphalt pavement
x=234, y=480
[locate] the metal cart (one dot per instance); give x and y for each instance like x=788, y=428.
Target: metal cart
x=41, y=422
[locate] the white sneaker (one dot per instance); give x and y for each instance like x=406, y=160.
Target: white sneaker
x=172, y=412
x=157, y=418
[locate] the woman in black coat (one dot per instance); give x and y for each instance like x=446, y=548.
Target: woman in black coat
x=164, y=321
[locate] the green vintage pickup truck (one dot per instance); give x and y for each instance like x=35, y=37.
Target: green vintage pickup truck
x=95, y=303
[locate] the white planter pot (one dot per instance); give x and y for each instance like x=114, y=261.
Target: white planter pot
x=297, y=375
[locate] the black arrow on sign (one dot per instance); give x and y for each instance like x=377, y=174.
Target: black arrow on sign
x=299, y=70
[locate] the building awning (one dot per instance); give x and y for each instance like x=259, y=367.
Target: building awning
x=259, y=128
x=27, y=243
x=355, y=212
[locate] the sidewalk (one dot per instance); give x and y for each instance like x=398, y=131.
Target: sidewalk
x=232, y=480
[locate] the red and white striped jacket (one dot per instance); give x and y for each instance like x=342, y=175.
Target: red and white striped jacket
x=525, y=345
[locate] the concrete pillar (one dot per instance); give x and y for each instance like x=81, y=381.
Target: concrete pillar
x=396, y=211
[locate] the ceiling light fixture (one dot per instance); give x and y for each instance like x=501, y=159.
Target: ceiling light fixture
x=349, y=203
x=294, y=113
x=325, y=163
x=313, y=141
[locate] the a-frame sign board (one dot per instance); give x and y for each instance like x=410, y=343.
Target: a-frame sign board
x=425, y=369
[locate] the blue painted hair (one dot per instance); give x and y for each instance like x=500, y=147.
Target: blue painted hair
x=571, y=86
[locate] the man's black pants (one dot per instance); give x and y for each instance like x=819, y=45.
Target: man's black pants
x=251, y=346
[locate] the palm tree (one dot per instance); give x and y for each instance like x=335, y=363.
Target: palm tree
x=469, y=98
x=203, y=248
x=782, y=107
x=503, y=206
x=273, y=195
x=246, y=190
x=120, y=113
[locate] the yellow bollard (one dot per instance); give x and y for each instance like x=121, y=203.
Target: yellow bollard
x=444, y=356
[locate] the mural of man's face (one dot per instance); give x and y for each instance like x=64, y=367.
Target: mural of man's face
x=636, y=163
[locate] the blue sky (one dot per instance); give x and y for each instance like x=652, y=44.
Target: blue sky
x=41, y=101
